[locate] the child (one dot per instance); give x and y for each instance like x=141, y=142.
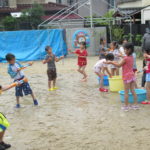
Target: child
x=147, y=69
x=103, y=48
x=82, y=59
x=114, y=50
x=121, y=49
x=99, y=69
x=16, y=74
x=51, y=71
x=128, y=75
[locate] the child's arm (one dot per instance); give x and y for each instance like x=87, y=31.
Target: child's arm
x=108, y=72
x=116, y=63
x=146, y=55
x=58, y=59
x=47, y=60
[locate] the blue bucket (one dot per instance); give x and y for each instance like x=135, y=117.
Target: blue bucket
x=141, y=96
x=105, y=80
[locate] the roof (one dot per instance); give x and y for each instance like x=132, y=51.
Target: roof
x=71, y=16
x=127, y=1
x=47, y=7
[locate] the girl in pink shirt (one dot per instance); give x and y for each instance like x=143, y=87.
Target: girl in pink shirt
x=128, y=75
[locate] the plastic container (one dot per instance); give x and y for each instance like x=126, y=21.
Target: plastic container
x=141, y=95
x=105, y=80
x=116, y=84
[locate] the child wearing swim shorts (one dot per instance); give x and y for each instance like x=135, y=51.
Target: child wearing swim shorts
x=82, y=59
x=18, y=75
x=128, y=76
x=99, y=69
x=50, y=59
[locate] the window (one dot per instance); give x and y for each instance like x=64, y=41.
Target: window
x=3, y=3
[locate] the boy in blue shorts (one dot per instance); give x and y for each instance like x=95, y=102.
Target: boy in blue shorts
x=18, y=75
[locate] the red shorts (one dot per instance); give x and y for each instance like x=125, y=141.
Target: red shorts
x=81, y=64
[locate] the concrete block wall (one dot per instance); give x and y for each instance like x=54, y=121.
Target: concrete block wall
x=94, y=34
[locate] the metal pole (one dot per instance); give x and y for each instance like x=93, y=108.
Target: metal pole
x=91, y=13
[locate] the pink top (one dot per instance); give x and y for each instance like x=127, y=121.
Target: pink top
x=127, y=68
x=148, y=66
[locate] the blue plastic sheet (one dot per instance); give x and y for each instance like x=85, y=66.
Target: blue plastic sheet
x=30, y=45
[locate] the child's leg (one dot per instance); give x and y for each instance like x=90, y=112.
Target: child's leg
x=117, y=71
x=83, y=70
x=54, y=83
x=101, y=78
x=49, y=84
x=148, y=90
x=2, y=136
x=126, y=94
x=17, y=99
x=113, y=71
x=132, y=87
x=79, y=70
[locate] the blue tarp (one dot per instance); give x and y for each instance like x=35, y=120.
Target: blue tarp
x=30, y=45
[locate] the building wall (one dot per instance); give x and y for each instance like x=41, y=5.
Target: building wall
x=145, y=15
x=130, y=4
x=12, y=3
x=145, y=2
x=30, y=1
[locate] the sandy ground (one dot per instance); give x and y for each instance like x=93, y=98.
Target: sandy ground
x=76, y=117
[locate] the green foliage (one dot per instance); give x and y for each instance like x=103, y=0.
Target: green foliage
x=138, y=39
x=117, y=33
x=9, y=23
x=33, y=15
x=30, y=17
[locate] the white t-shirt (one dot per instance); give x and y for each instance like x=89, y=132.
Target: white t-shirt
x=122, y=51
x=100, y=64
x=20, y=74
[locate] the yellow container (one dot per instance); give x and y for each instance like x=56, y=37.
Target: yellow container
x=116, y=84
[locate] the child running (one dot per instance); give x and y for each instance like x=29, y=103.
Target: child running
x=18, y=75
x=50, y=59
x=114, y=49
x=82, y=59
x=128, y=76
x=99, y=69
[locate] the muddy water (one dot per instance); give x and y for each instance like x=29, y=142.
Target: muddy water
x=76, y=117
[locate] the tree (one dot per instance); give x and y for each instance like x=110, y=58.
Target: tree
x=9, y=23
x=33, y=15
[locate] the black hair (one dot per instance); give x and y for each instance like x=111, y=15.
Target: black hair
x=84, y=44
x=9, y=57
x=129, y=46
x=147, y=51
x=47, y=48
x=110, y=57
x=0, y=87
x=115, y=44
x=101, y=40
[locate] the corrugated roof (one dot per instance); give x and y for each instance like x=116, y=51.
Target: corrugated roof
x=47, y=7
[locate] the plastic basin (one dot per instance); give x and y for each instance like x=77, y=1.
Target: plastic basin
x=105, y=80
x=141, y=95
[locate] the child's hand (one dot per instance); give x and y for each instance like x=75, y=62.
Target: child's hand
x=107, y=62
x=61, y=57
x=145, y=68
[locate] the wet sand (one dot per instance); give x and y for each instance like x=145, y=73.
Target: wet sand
x=75, y=117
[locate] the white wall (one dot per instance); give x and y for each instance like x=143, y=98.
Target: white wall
x=145, y=15
x=131, y=4
x=145, y=2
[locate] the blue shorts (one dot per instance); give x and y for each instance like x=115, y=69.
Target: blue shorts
x=23, y=88
x=148, y=77
x=3, y=128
